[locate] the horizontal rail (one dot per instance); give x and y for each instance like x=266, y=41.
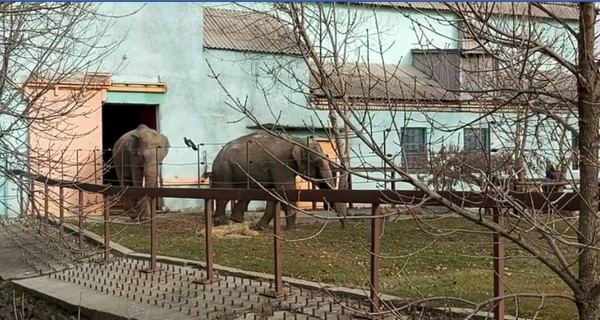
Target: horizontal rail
x=466, y=199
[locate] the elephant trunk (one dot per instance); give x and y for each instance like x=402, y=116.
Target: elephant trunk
x=328, y=183
x=151, y=170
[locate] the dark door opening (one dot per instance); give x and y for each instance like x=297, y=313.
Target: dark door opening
x=117, y=119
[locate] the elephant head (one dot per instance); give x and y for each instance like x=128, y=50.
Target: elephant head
x=317, y=169
x=312, y=166
x=151, y=147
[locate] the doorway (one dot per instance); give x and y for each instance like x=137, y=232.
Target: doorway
x=117, y=119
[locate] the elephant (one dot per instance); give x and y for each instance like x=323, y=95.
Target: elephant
x=139, y=154
x=266, y=157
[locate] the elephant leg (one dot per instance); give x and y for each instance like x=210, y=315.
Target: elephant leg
x=141, y=204
x=290, y=216
x=220, y=218
x=144, y=208
x=129, y=203
x=263, y=222
x=239, y=210
x=160, y=201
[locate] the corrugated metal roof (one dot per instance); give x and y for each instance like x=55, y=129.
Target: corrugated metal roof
x=562, y=10
x=247, y=31
x=401, y=84
x=382, y=82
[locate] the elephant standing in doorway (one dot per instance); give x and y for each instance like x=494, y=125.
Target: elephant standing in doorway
x=137, y=155
x=265, y=158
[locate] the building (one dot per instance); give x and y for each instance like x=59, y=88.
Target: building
x=167, y=80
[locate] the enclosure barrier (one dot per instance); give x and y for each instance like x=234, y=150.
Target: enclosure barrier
x=531, y=200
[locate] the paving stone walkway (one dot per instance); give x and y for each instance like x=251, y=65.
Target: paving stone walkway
x=38, y=258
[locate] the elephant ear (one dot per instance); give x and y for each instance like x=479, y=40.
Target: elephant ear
x=300, y=155
x=323, y=166
x=166, y=143
x=134, y=144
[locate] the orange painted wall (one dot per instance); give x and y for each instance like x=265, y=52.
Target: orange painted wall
x=329, y=150
x=69, y=147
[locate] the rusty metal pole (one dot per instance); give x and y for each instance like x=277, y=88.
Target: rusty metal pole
x=46, y=195
x=61, y=194
x=308, y=173
x=61, y=208
x=277, y=292
x=498, y=268
x=153, y=239
x=46, y=188
x=208, y=244
x=106, y=229
x=376, y=234
x=350, y=205
x=34, y=213
x=199, y=166
x=80, y=216
x=277, y=250
x=384, y=162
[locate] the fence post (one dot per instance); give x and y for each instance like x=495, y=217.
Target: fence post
x=208, y=244
x=80, y=216
x=350, y=205
x=61, y=208
x=199, y=166
x=153, y=238
x=498, y=268
x=46, y=195
x=34, y=213
x=46, y=189
x=376, y=234
x=106, y=229
x=277, y=254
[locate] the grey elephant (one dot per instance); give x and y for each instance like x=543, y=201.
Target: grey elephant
x=267, y=159
x=137, y=155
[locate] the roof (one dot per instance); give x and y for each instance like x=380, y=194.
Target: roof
x=406, y=84
x=255, y=31
x=247, y=31
x=393, y=82
x=562, y=10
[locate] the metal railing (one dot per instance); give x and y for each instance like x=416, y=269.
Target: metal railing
x=532, y=200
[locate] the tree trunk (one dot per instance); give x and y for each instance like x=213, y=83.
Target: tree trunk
x=588, y=99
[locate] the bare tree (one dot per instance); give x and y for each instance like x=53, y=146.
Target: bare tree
x=529, y=73
x=51, y=58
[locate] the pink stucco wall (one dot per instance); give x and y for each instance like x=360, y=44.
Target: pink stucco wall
x=68, y=146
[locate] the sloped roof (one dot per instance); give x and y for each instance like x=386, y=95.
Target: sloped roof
x=562, y=10
x=247, y=31
x=381, y=82
x=406, y=84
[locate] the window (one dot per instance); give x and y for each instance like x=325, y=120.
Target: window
x=414, y=148
x=476, y=139
x=574, y=152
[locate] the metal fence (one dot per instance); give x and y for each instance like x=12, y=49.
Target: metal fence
x=532, y=200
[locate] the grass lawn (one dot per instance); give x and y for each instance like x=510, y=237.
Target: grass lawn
x=426, y=261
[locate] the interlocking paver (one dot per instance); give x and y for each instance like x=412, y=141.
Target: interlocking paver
x=57, y=269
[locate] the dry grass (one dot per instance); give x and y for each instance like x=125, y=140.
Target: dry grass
x=237, y=230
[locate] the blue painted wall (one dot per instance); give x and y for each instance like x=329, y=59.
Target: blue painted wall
x=195, y=105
